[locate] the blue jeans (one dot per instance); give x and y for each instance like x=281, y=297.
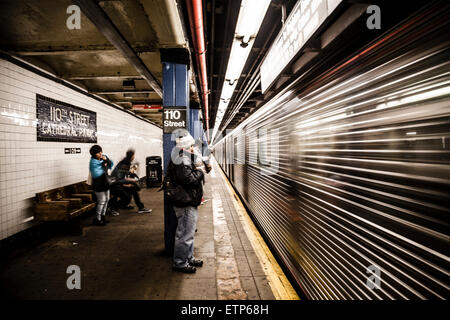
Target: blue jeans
x=102, y=203
x=184, y=237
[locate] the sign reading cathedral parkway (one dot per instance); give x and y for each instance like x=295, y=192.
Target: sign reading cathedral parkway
x=60, y=121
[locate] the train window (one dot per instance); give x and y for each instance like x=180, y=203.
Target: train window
x=240, y=150
x=224, y=144
x=235, y=146
x=252, y=148
x=230, y=150
x=263, y=145
x=268, y=149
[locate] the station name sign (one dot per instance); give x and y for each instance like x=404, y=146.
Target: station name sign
x=306, y=17
x=174, y=118
x=60, y=121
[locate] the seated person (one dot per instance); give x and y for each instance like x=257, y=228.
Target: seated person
x=119, y=199
x=127, y=185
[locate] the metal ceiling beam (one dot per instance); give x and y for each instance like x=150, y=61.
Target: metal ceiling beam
x=166, y=20
x=155, y=110
x=102, y=77
x=99, y=18
x=74, y=50
x=121, y=91
x=151, y=116
x=59, y=52
x=137, y=101
x=222, y=75
x=149, y=110
x=157, y=120
x=257, y=98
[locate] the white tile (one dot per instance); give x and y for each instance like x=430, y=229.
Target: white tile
x=28, y=166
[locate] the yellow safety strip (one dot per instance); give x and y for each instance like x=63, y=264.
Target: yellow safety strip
x=279, y=284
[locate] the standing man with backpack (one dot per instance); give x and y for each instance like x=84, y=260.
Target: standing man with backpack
x=184, y=190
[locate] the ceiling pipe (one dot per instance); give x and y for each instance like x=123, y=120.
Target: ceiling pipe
x=211, y=46
x=195, y=13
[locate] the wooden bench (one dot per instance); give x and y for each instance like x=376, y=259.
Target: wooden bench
x=64, y=203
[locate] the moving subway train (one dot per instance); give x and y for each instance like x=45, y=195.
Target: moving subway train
x=347, y=175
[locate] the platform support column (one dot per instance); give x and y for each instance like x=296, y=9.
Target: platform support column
x=175, y=63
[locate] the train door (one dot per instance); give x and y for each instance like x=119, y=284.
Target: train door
x=225, y=158
x=245, y=164
x=229, y=156
x=233, y=142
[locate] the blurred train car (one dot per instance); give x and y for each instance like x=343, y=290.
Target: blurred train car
x=348, y=174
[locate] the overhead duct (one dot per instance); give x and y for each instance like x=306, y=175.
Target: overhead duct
x=195, y=12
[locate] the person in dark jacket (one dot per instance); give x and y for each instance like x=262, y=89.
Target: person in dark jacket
x=126, y=186
x=98, y=166
x=182, y=172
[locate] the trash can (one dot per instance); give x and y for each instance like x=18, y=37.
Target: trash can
x=153, y=171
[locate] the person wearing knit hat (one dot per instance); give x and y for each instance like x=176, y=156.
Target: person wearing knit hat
x=184, y=141
x=98, y=167
x=188, y=179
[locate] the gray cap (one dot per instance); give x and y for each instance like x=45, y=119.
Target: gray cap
x=184, y=140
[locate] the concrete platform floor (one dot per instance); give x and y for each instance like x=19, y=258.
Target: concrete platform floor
x=125, y=259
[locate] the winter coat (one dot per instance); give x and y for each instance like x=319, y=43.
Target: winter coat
x=183, y=172
x=122, y=172
x=98, y=170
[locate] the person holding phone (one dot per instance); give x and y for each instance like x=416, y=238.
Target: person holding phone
x=127, y=186
x=98, y=166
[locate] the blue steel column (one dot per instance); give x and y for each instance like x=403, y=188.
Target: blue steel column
x=197, y=130
x=195, y=123
x=175, y=93
x=196, y=126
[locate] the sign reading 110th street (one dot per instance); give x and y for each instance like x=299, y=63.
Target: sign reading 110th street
x=174, y=118
x=60, y=121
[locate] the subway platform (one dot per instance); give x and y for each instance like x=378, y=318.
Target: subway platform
x=126, y=260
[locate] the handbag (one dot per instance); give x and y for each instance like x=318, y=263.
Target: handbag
x=89, y=179
x=110, y=179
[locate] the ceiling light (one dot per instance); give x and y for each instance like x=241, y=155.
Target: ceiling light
x=244, y=42
x=251, y=15
x=128, y=85
x=227, y=91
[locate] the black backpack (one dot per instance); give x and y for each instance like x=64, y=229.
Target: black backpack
x=178, y=195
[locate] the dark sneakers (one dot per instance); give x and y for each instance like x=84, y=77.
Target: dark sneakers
x=196, y=263
x=144, y=210
x=126, y=207
x=187, y=269
x=104, y=219
x=191, y=268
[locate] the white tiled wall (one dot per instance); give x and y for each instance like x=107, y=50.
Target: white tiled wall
x=28, y=166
